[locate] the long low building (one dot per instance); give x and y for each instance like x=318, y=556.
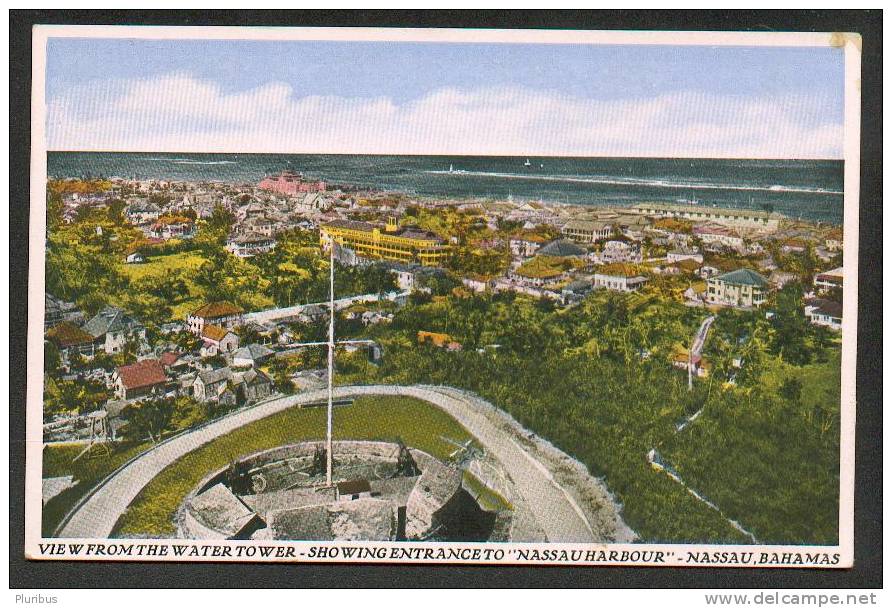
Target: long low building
x=740, y=218
x=390, y=243
x=587, y=231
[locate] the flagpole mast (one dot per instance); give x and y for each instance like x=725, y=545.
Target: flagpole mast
x=331, y=347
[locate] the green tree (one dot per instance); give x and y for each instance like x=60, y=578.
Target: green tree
x=791, y=328
x=150, y=418
x=791, y=389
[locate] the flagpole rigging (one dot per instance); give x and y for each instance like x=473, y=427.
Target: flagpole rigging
x=331, y=347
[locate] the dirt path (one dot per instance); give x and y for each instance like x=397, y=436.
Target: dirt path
x=555, y=504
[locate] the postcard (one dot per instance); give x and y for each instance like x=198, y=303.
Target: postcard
x=443, y=296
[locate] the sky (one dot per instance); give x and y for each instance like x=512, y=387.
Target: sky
x=444, y=98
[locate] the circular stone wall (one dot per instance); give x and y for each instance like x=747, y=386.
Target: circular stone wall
x=380, y=491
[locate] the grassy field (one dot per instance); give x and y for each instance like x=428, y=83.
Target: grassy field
x=157, y=266
x=417, y=423
x=57, y=462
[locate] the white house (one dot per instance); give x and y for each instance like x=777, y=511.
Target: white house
x=680, y=254
x=717, y=234
x=829, y=279
x=525, y=246
x=218, y=340
x=620, y=251
x=586, y=231
x=249, y=245
x=618, y=280
x=826, y=313
x=222, y=313
x=111, y=328
x=475, y=284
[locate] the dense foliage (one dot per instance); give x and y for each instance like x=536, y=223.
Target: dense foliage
x=596, y=381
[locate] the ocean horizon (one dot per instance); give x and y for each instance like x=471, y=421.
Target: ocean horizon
x=807, y=189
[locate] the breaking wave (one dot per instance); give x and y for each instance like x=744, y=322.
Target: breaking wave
x=189, y=161
x=630, y=181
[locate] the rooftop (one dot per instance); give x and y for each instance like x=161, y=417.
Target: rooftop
x=743, y=276
x=836, y=272
x=253, y=352
x=221, y=374
x=110, y=319
x=586, y=225
x=562, y=248
x=214, y=332
x=407, y=233
x=827, y=307
x=67, y=334
x=142, y=373
x=746, y=213
x=618, y=269
x=213, y=310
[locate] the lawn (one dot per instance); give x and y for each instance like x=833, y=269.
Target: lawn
x=418, y=424
x=57, y=462
x=157, y=265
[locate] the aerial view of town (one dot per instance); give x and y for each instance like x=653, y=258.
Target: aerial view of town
x=569, y=347
x=678, y=351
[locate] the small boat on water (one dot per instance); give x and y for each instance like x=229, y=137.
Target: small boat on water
x=527, y=164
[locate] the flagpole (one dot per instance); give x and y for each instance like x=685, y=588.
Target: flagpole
x=331, y=347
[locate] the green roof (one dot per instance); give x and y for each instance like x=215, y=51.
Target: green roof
x=743, y=276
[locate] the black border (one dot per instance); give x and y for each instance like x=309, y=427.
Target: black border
x=867, y=572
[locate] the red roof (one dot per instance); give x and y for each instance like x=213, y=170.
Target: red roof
x=169, y=358
x=142, y=373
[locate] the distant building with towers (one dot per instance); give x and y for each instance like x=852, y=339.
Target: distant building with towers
x=291, y=183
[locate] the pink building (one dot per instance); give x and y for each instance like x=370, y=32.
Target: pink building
x=291, y=183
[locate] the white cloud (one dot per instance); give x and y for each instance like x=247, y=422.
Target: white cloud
x=178, y=113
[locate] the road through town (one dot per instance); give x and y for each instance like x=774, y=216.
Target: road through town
x=555, y=510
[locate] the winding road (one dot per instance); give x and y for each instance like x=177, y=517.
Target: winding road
x=554, y=509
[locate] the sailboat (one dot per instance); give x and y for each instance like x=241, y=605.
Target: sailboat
x=527, y=164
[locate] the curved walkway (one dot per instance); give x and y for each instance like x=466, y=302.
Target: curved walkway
x=555, y=511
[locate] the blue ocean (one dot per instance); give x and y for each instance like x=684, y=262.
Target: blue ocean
x=806, y=189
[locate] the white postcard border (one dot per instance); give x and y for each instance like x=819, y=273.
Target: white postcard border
x=840, y=556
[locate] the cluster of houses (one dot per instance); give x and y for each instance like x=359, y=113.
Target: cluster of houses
x=165, y=210
x=621, y=249
x=221, y=370
x=559, y=251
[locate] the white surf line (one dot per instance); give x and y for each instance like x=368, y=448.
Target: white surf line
x=641, y=183
x=547, y=474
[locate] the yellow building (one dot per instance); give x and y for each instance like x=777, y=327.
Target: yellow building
x=391, y=243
